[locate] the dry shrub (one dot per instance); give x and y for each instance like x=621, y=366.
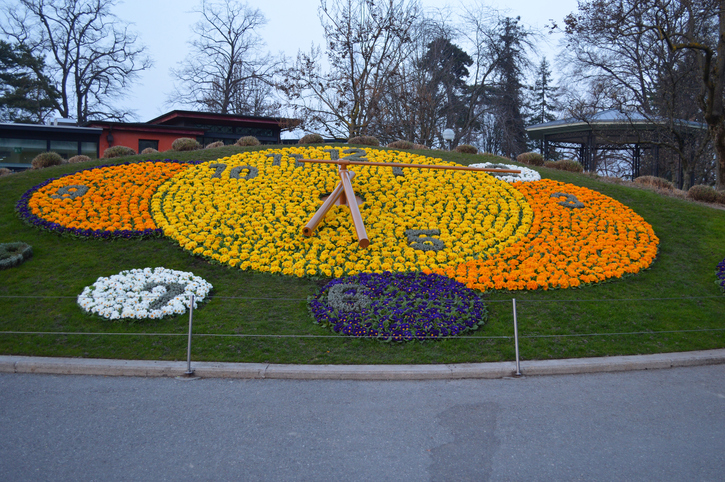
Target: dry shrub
x=531, y=158
x=311, y=139
x=4, y=171
x=78, y=158
x=185, y=144
x=149, y=150
x=721, y=197
x=466, y=149
x=565, y=165
x=118, y=151
x=47, y=159
x=364, y=140
x=214, y=145
x=656, y=182
x=401, y=144
x=706, y=194
x=420, y=147
x=248, y=141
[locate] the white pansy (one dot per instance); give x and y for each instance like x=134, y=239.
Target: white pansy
x=143, y=293
x=526, y=175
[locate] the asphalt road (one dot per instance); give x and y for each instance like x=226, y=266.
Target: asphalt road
x=646, y=425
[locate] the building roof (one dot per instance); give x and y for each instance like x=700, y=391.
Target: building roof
x=186, y=115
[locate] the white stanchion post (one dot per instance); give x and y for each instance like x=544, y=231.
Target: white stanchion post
x=516, y=341
x=189, y=371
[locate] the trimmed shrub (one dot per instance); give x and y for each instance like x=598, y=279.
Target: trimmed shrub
x=706, y=194
x=149, y=150
x=565, y=165
x=214, y=145
x=118, y=151
x=248, y=141
x=401, y=144
x=364, y=140
x=531, y=158
x=79, y=158
x=420, y=147
x=311, y=139
x=658, y=182
x=721, y=197
x=12, y=254
x=47, y=159
x=4, y=171
x=185, y=144
x=466, y=149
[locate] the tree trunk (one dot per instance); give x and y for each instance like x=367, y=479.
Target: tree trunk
x=717, y=133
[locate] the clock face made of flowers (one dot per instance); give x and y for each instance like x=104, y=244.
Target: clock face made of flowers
x=248, y=211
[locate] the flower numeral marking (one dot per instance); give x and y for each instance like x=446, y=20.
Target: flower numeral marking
x=234, y=173
x=334, y=154
x=570, y=202
x=65, y=192
x=356, y=154
x=276, y=159
x=297, y=158
x=172, y=291
x=219, y=169
x=425, y=243
x=347, y=297
x=398, y=171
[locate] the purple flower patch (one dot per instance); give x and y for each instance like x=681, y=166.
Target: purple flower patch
x=721, y=274
x=398, y=307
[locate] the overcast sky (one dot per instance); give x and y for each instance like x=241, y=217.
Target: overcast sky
x=164, y=26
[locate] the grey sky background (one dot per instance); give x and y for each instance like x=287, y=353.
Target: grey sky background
x=164, y=26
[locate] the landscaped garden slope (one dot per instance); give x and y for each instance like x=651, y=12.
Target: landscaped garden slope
x=271, y=309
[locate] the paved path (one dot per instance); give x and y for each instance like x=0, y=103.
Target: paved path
x=639, y=425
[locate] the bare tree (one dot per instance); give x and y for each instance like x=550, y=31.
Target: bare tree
x=366, y=43
x=226, y=71
x=90, y=54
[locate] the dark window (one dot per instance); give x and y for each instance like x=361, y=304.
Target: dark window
x=146, y=143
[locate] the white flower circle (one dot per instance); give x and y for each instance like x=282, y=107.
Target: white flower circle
x=527, y=175
x=143, y=293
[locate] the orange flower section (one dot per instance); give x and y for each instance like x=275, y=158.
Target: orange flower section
x=568, y=245
x=111, y=198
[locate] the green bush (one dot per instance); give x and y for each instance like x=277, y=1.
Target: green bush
x=47, y=159
x=215, y=145
x=565, y=165
x=311, y=139
x=12, y=254
x=79, y=158
x=248, y=141
x=118, y=151
x=149, y=150
x=185, y=144
x=658, y=182
x=364, y=140
x=4, y=171
x=401, y=144
x=706, y=194
x=531, y=158
x=466, y=149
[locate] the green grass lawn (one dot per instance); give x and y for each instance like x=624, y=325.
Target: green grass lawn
x=674, y=306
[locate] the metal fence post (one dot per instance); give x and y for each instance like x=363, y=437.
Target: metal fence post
x=516, y=341
x=189, y=371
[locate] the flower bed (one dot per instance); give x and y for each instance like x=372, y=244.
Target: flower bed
x=101, y=202
x=248, y=211
x=526, y=175
x=578, y=237
x=12, y=254
x=398, y=307
x=721, y=274
x=143, y=293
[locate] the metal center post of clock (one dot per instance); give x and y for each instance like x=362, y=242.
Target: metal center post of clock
x=344, y=195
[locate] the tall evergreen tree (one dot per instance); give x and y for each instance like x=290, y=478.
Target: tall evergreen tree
x=543, y=96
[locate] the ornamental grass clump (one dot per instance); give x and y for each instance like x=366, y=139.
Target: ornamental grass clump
x=118, y=151
x=12, y=254
x=78, y=158
x=702, y=193
x=46, y=159
x=656, y=182
x=248, y=141
x=364, y=140
x=401, y=144
x=149, y=150
x=311, y=139
x=185, y=144
x=215, y=145
x=565, y=165
x=466, y=149
x=531, y=158
x=4, y=171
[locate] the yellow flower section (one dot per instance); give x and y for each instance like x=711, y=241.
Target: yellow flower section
x=567, y=246
x=248, y=211
x=112, y=198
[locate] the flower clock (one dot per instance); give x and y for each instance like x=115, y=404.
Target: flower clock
x=143, y=293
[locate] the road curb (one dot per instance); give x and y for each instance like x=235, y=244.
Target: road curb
x=152, y=368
